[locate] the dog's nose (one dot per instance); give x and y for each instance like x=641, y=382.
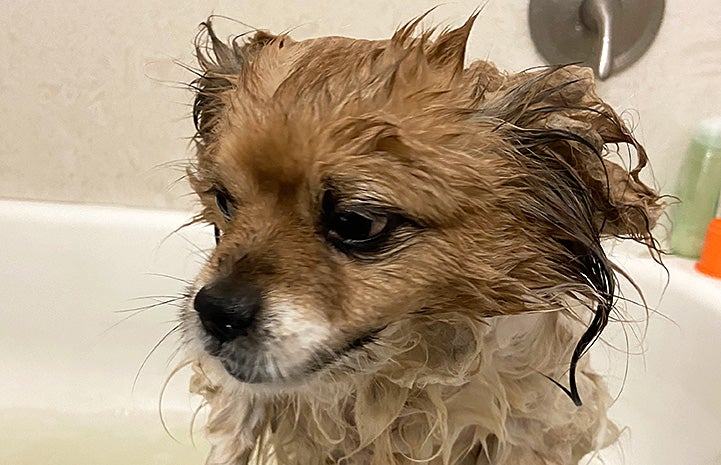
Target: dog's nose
x=227, y=308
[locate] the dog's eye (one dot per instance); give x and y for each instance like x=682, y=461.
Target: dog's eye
x=354, y=226
x=224, y=204
x=356, y=230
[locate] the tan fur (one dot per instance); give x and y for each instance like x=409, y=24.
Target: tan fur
x=508, y=181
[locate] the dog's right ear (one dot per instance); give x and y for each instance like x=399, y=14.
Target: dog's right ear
x=221, y=65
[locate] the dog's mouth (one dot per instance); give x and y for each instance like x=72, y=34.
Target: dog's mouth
x=254, y=362
x=356, y=345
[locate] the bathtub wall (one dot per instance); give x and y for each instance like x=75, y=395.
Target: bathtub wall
x=92, y=110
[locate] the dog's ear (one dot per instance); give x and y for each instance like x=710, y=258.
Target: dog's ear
x=560, y=136
x=221, y=65
x=562, y=129
x=449, y=49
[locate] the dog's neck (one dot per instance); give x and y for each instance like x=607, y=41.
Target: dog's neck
x=455, y=392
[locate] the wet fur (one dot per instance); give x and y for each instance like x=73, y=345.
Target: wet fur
x=442, y=346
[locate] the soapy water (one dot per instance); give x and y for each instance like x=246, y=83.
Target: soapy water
x=44, y=437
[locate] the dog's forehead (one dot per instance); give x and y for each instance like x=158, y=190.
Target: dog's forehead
x=274, y=127
x=283, y=156
x=313, y=123
x=285, y=68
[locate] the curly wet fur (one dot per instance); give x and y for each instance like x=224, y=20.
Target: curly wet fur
x=500, y=286
x=480, y=399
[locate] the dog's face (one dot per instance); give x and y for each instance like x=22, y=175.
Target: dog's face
x=354, y=184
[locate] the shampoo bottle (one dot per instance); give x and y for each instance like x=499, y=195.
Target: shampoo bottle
x=698, y=190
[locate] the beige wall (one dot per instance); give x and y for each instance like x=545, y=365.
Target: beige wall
x=90, y=111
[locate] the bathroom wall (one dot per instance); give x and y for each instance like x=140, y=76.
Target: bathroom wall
x=93, y=108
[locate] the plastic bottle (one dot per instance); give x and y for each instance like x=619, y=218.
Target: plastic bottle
x=698, y=189
x=710, y=262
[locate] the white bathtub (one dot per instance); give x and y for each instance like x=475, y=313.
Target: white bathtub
x=69, y=361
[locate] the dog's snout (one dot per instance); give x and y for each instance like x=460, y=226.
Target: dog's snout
x=228, y=307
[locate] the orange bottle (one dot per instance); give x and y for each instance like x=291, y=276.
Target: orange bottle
x=710, y=261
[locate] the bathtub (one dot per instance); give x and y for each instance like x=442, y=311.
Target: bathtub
x=78, y=386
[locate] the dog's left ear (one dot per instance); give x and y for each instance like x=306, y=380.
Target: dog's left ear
x=559, y=135
x=561, y=127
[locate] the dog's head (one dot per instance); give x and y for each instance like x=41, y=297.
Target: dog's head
x=355, y=184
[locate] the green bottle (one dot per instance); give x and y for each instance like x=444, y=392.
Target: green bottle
x=698, y=189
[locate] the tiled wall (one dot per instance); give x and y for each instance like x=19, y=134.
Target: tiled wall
x=92, y=111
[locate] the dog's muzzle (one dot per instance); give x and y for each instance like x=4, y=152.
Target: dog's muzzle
x=228, y=307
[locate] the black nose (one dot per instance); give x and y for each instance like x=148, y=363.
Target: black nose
x=227, y=307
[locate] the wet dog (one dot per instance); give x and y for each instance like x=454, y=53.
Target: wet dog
x=408, y=252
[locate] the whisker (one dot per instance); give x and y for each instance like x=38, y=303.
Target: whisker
x=140, y=309
x=155, y=347
x=180, y=164
x=162, y=394
x=197, y=411
x=204, y=253
x=193, y=220
x=154, y=297
x=175, y=278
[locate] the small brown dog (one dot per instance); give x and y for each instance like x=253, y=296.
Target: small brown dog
x=408, y=252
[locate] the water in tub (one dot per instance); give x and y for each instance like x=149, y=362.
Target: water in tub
x=49, y=437
x=68, y=393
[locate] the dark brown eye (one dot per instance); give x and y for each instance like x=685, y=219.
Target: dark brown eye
x=352, y=226
x=357, y=229
x=222, y=200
